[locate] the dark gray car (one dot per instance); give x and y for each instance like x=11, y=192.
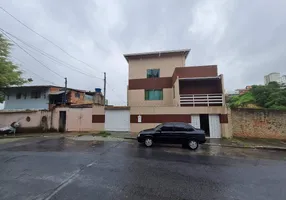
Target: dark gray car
x=173, y=133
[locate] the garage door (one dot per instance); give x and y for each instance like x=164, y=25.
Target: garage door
x=195, y=121
x=117, y=120
x=214, y=124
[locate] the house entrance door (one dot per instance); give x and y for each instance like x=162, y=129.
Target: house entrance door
x=62, y=121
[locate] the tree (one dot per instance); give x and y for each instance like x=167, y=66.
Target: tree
x=10, y=74
x=271, y=96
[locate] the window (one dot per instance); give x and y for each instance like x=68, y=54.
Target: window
x=77, y=95
x=153, y=94
x=180, y=127
x=18, y=95
x=153, y=73
x=167, y=127
x=35, y=94
x=190, y=128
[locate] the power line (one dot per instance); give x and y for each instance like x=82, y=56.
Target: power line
x=118, y=96
x=53, y=58
x=26, y=69
x=31, y=55
x=47, y=39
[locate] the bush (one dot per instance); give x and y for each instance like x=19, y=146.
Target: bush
x=104, y=133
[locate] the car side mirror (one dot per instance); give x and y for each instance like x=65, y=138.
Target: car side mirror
x=158, y=131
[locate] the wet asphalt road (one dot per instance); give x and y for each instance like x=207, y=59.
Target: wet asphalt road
x=66, y=169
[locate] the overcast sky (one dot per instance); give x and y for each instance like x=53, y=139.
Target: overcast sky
x=246, y=39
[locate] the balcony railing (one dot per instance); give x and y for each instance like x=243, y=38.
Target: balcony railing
x=201, y=100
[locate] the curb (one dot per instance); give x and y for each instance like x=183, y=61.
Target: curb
x=130, y=138
x=248, y=147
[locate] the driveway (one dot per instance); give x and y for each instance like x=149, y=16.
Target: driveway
x=60, y=168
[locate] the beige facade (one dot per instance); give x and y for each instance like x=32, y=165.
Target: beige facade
x=77, y=119
x=134, y=110
x=166, y=64
x=137, y=98
x=98, y=111
x=176, y=93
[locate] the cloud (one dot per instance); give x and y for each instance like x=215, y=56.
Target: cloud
x=246, y=39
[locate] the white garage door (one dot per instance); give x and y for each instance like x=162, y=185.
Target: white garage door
x=117, y=120
x=195, y=121
x=215, y=129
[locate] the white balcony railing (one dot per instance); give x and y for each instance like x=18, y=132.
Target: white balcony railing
x=201, y=100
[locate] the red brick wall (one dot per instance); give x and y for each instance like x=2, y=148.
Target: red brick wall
x=259, y=123
x=74, y=100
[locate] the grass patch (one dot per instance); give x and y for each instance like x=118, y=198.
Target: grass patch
x=104, y=134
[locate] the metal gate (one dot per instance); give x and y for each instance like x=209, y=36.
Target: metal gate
x=195, y=121
x=117, y=120
x=215, y=128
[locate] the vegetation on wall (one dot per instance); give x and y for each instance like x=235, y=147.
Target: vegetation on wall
x=272, y=96
x=10, y=74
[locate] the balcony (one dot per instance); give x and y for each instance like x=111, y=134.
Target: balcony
x=196, y=100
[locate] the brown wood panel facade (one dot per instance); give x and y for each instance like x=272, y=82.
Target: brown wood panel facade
x=150, y=83
x=200, y=86
x=98, y=118
x=195, y=71
x=160, y=118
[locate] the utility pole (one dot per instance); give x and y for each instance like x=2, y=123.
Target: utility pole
x=65, y=95
x=104, y=88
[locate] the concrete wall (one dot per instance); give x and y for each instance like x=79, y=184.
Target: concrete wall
x=176, y=87
x=77, y=119
x=26, y=103
x=256, y=123
x=167, y=64
x=98, y=110
x=137, y=98
x=30, y=121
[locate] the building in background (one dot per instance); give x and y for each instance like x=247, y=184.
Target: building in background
x=274, y=77
x=45, y=97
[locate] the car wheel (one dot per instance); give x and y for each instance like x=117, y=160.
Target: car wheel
x=193, y=144
x=148, y=142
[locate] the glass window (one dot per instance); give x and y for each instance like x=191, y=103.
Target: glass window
x=35, y=94
x=77, y=95
x=189, y=127
x=153, y=73
x=18, y=95
x=167, y=127
x=180, y=127
x=153, y=94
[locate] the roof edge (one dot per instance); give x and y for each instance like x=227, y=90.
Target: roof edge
x=154, y=53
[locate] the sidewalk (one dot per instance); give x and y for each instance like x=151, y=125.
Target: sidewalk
x=268, y=144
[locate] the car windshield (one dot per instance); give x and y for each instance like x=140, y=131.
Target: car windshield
x=159, y=126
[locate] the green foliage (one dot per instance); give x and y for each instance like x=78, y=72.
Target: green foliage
x=271, y=96
x=241, y=101
x=104, y=133
x=10, y=74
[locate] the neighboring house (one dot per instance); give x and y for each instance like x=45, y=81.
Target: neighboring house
x=44, y=97
x=162, y=89
x=243, y=91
